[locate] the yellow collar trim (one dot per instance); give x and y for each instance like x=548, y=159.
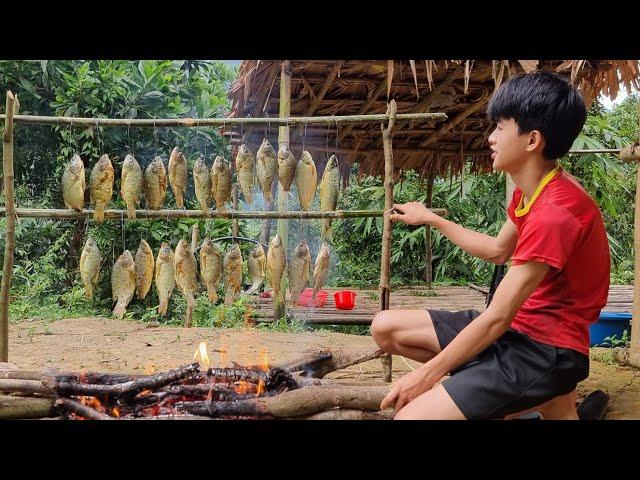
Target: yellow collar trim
x=522, y=211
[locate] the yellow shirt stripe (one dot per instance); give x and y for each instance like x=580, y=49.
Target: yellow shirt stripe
x=522, y=211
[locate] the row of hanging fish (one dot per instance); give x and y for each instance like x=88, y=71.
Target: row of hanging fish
x=297, y=267
x=209, y=184
x=131, y=276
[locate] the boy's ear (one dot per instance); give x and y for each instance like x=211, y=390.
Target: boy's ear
x=536, y=141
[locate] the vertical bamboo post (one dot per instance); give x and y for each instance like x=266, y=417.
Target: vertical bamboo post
x=634, y=346
x=387, y=232
x=283, y=138
x=427, y=228
x=234, y=224
x=13, y=106
x=194, y=238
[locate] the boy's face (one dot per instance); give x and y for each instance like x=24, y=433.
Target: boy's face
x=509, y=148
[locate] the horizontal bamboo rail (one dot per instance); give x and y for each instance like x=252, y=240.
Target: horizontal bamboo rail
x=172, y=214
x=217, y=122
x=594, y=150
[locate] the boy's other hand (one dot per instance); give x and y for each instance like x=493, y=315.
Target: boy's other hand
x=412, y=213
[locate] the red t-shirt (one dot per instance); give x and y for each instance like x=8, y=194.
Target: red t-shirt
x=564, y=229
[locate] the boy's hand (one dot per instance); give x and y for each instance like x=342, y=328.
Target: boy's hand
x=409, y=387
x=412, y=213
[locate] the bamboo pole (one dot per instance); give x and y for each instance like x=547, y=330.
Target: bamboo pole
x=220, y=122
x=427, y=228
x=112, y=214
x=234, y=225
x=12, y=107
x=593, y=150
x=387, y=232
x=634, y=346
x=283, y=197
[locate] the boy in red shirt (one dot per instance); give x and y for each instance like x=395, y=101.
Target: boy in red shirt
x=530, y=348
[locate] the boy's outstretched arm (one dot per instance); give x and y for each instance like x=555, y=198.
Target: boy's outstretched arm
x=492, y=249
x=519, y=282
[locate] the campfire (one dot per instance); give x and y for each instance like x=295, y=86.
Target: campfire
x=288, y=389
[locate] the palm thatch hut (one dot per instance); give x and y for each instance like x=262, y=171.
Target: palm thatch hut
x=459, y=88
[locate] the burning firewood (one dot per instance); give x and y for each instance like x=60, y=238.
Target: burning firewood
x=68, y=405
x=288, y=389
x=129, y=389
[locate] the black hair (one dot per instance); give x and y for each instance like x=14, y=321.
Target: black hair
x=545, y=102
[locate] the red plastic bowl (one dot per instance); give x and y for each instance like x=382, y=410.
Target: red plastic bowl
x=345, y=299
x=306, y=298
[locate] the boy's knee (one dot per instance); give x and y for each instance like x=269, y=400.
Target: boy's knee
x=382, y=330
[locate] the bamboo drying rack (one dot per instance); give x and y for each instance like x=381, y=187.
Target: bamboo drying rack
x=11, y=117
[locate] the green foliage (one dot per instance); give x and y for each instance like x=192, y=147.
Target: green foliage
x=614, y=341
x=610, y=182
x=474, y=201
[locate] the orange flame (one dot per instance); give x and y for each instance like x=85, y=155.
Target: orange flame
x=261, y=388
x=264, y=360
x=92, y=402
x=241, y=387
x=201, y=355
x=115, y=412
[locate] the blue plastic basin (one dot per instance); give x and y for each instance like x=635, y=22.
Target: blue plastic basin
x=608, y=325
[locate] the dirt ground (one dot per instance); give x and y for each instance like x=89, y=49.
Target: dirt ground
x=100, y=344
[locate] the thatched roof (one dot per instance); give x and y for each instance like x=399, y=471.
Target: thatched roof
x=459, y=88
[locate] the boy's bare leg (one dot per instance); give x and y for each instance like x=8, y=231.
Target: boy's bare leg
x=435, y=404
x=409, y=333
x=562, y=407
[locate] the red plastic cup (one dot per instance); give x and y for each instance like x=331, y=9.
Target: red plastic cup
x=345, y=299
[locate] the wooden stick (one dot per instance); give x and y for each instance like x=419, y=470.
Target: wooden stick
x=217, y=392
x=130, y=388
x=172, y=214
x=479, y=289
x=236, y=374
x=23, y=386
x=217, y=122
x=305, y=362
x=295, y=403
x=12, y=108
x=387, y=227
x=170, y=417
x=25, y=407
x=71, y=406
x=344, y=358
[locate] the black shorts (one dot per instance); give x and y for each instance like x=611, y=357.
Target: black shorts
x=513, y=374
